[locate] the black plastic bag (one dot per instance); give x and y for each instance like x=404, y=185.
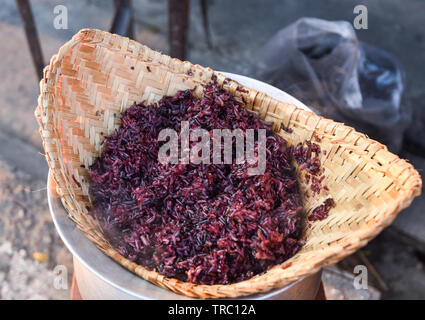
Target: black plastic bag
x=323, y=64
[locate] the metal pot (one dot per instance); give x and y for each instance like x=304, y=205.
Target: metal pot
x=99, y=277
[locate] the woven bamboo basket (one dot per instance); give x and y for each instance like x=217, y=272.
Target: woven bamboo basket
x=97, y=75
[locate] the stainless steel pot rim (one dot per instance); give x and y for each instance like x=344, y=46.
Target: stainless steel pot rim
x=111, y=272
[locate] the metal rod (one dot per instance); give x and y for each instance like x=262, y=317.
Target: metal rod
x=178, y=23
x=32, y=36
x=122, y=23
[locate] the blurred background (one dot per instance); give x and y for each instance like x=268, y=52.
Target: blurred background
x=242, y=36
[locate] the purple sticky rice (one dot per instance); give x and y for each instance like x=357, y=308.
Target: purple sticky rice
x=202, y=223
